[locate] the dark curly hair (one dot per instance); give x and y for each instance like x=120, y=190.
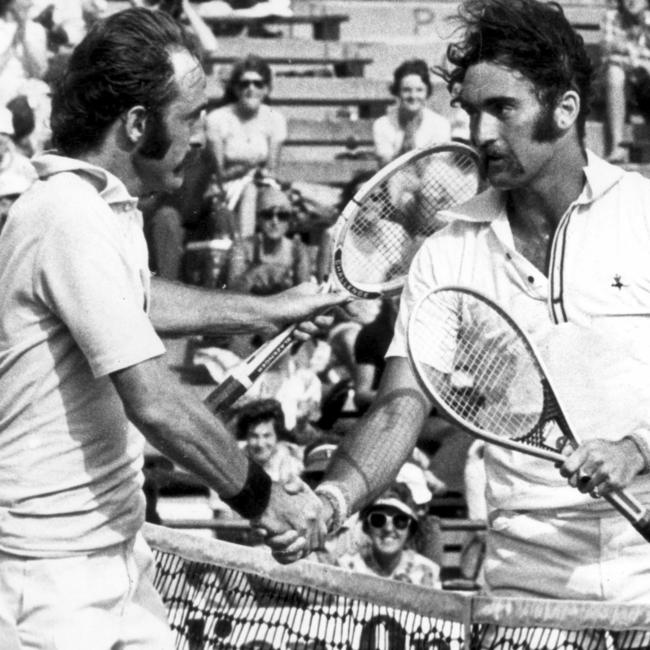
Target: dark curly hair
x=411, y=66
x=123, y=61
x=532, y=37
x=250, y=63
x=261, y=410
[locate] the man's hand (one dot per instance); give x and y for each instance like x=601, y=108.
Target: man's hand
x=303, y=302
x=599, y=466
x=293, y=523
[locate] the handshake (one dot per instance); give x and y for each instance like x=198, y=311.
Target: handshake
x=297, y=519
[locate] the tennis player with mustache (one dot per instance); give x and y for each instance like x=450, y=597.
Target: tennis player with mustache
x=561, y=236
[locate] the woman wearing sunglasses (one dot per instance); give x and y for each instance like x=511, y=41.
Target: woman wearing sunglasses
x=390, y=523
x=245, y=136
x=269, y=261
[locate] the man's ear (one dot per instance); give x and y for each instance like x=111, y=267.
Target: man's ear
x=567, y=110
x=135, y=122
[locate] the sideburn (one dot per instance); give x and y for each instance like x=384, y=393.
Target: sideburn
x=545, y=128
x=156, y=140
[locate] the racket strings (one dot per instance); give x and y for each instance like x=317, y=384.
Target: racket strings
x=477, y=367
x=395, y=217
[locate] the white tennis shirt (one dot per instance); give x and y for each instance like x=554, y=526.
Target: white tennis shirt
x=74, y=290
x=599, y=278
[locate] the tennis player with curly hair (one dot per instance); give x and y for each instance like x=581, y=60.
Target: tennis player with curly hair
x=561, y=236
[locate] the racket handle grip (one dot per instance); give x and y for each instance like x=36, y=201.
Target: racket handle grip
x=632, y=510
x=225, y=394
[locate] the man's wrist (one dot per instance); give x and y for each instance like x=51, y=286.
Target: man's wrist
x=641, y=440
x=338, y=502
x=252, y=500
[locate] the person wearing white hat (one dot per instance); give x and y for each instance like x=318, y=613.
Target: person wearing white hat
x=390, y=522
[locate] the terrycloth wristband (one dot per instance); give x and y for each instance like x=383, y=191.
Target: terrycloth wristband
x=641, y=438
x=333, y=494
x=251, y=501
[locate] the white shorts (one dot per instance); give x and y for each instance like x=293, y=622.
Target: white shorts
x=583, y=555
x=101, y=601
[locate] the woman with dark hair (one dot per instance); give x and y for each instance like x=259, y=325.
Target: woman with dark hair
x=264, y=437
x=409, y=124
x=246, y=136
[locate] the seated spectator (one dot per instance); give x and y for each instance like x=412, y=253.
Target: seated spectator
x=370, y=346
x=263, y=436
x=173, y=218
x=16, y=172
x=269, y=261
x=246, y=136
x=410, y=124
x=23, y=48
x=390, y=522
x=626, y=60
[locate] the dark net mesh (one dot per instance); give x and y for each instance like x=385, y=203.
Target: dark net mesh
x=224, y=596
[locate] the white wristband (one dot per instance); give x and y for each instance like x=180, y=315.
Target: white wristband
x=641, y=438
x=334, y=495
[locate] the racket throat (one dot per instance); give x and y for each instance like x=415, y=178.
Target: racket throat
x=552, y=413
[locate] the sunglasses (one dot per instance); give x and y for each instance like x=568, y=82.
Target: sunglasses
x=257, y=83
x=378, y=520
x=282, y=215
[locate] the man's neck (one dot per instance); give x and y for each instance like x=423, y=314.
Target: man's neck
x=534, y=211
x=119, y=165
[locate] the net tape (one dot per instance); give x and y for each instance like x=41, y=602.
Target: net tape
x=225, y=596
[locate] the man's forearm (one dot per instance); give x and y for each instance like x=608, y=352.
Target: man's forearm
x=178, y=309
x=179, y=426
x=369, y=458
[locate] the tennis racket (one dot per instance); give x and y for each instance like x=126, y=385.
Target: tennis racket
x=481, y=369
x=375, y=239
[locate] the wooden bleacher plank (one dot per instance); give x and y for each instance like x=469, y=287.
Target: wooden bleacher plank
x=327, y=172
x=346, y=58
x=325, y=27
x=371, y=96
x=347, y=133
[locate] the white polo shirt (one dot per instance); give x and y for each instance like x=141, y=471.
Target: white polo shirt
x=600, y=278
x=74, y=290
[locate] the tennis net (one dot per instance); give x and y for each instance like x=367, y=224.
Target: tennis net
x=226, y=596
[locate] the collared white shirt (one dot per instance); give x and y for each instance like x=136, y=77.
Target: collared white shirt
x=74, y=289
x=599, y=278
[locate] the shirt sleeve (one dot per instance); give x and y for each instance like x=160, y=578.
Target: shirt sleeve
x=88, y=277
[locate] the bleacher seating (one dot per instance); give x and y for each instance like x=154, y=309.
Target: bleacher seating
x=345, y=59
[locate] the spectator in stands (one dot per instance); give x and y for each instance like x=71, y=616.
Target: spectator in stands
x=23, y=48
x=411, y=123
x=246, y=136
x=24, y=59
x=390, y=522
x=269, y=261
x=16, y=172
x=626, y=58
x=260, y=427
